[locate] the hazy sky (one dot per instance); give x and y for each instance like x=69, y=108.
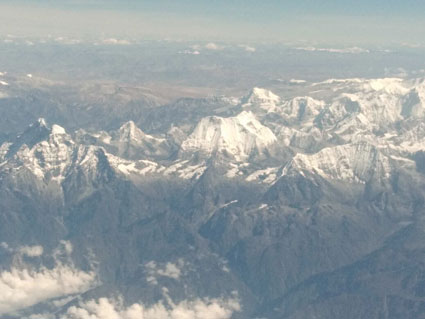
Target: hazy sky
x=322, y=21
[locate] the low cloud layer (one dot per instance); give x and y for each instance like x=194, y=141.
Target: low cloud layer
x=197, y=309
x=22, y=287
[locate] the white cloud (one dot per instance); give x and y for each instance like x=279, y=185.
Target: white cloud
x=65, y=40
x=65, y=246
x=296, y=81
x=352, y=50
x=195, y=52
x=213, y=46
x=31, y=251
x=104, y=308
x=58, y=303
x=248, y=48
x=170, y=270
x=116, y=41
x=22, y=288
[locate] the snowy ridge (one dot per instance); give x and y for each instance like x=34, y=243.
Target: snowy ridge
x=354, y=163
x=238, y=137
x=361, y=130
x=53, y=157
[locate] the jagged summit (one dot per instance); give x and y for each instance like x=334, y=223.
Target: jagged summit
x=129, y=131
x=302, y=108
x=353, y=163
x=238, y=137
x=41, y=125
x=313, y=132
x=261, y=98
x=387, y=85
x=35, y=133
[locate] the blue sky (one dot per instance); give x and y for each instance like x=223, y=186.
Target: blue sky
x=327, y=21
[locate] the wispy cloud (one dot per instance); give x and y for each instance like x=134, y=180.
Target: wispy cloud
x=170, y=270
x=351, y=50
x=114, y=41
x=248, y=48
x=31, y=251
x=190, y=52
x=213, y=46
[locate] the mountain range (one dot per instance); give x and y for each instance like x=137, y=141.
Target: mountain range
x=259, y=206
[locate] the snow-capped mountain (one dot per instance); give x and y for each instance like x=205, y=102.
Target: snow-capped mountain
x=129, y=142
x=262, y=99
x=341, y=137
x=351, y=163
x=238, y=137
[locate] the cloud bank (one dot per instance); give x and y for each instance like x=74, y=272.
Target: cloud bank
x=22, y=287
x=104, y=308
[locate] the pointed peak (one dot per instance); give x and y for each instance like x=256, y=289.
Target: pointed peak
x=129, y=124
x=129, y=130
x=263, y=94
x=262, y=98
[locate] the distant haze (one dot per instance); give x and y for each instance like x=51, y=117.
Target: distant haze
x=328, y=21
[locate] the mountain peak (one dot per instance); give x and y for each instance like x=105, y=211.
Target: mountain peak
x=262, y=98
x=262, y=95
x=358, y=162
x=239, y=136
x=37, y=132
x=129, y=130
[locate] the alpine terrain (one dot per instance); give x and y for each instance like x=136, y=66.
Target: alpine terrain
x=280, y=205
